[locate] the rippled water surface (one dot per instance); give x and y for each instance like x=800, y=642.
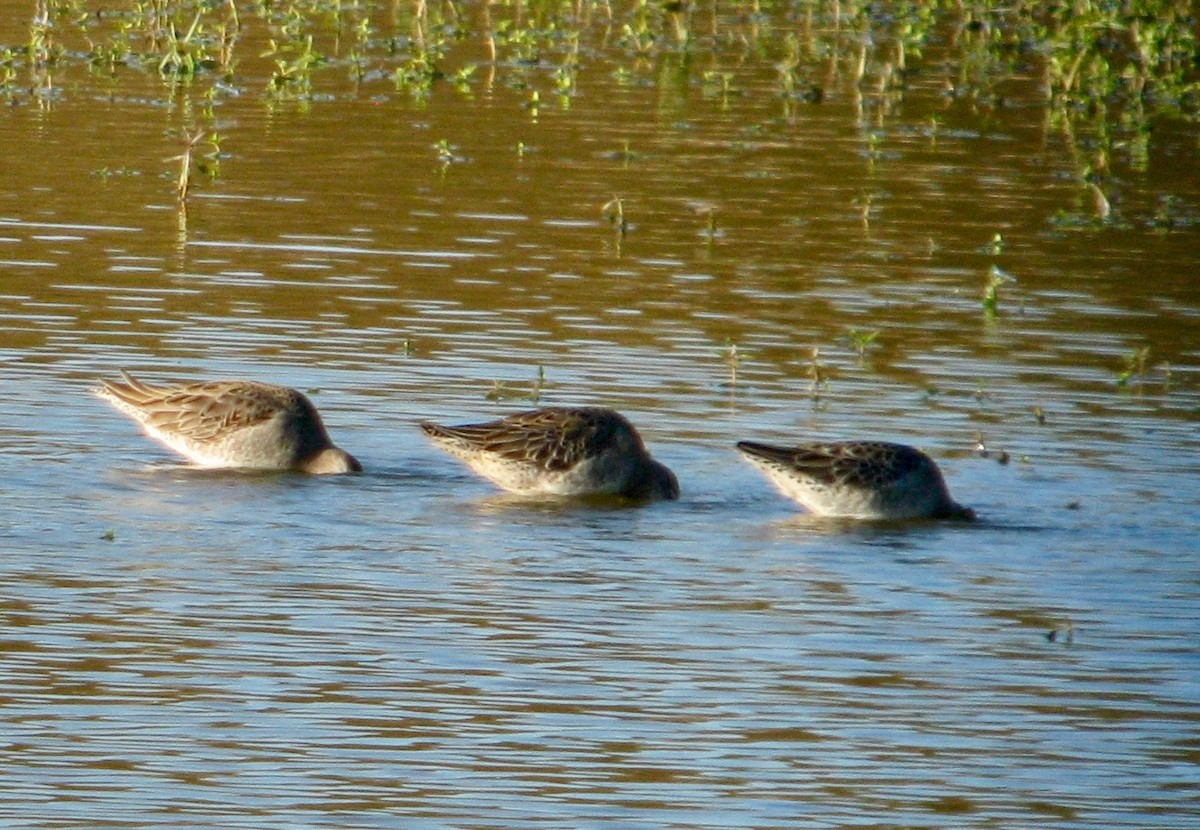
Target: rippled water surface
x=409, y=648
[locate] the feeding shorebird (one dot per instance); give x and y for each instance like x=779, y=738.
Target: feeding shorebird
x=566, y=451
x=232, y=423
x=858, y=479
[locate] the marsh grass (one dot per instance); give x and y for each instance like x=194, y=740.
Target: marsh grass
x=1103, y=72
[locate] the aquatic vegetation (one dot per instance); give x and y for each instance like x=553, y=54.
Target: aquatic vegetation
x=614, y=213
x=984, y=451
x=1103, y=72
x=207, y=164
x=718, y=83
x=182, y=55
x=293, y=68
x=732, y=356
x=818, y=374
x=991, y=296
x=446, y=153
x=862, y=340
x=106, y=173
x=502, y=390
x=863, y=204
x=707, y=211
x=1065, y=633
x=1133, y=372
x=995, y=247
x=1118, y=62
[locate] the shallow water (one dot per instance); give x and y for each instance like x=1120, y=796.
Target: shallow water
x=409, y=647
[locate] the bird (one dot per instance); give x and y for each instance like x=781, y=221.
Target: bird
x=232, y=423
x=858, y=479
x=563, y=451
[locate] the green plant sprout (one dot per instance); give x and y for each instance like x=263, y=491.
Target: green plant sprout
x=862, y=340
x=505, y=390
x=818, y=375
x=732, y=357
x=614, y=211
x=1133, y=371
x=186, y=163
x=991, y=296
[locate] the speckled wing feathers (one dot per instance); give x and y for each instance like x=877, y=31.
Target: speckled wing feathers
x=571, y=451
x=862, y=479
x=201, y=412
x=865, y=464
x=553, y=439
x=233, y=423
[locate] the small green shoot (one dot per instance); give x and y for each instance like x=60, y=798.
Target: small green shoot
x=187, y=163
x=732, y=357
x=991, y=296
x=1134, y=370
x=718, y=83
x=862, y=340
x=818, y=375
x=535, y=392
x=614, y=211
x=502, y=390
x=460, y=80
x=446, y=153
x=707, y=211
x=984, y=451
x=863, y=203
x=1164, y=216
x=1100, y=203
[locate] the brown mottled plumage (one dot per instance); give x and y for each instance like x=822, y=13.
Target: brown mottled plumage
x=232, y=423
x=858, y=479
x=569, y=451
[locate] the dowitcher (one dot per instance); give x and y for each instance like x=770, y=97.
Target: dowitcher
x=858, y=479
x=566, y=451
x=232, y=423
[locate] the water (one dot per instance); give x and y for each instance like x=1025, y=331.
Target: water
x=409, y=647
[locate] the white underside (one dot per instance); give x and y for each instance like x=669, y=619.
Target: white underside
x=582, y=479
x=258, y=448
x=851, y=502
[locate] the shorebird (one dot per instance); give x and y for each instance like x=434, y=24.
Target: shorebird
x=565, y=451
x=232, y=423
x=858, y=479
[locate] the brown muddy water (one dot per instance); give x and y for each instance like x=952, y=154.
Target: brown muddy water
x=406, y=648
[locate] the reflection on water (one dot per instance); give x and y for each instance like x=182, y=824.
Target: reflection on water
x=409, y=645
